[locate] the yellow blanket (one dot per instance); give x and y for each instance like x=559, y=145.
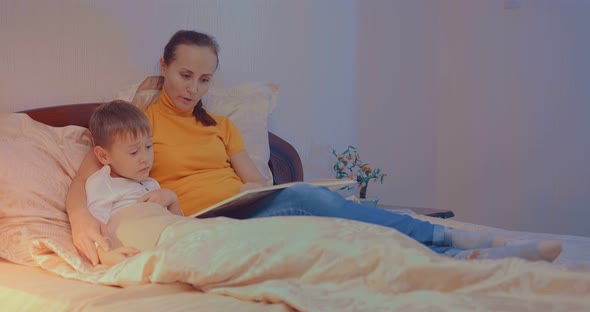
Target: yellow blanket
x=319, y=264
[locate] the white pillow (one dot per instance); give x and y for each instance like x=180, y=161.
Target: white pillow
x=248, y=105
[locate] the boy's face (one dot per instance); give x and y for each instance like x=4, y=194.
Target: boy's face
x=129, y=157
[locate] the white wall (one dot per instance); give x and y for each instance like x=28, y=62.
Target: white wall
x=479, y=109
x=65, y=51
x=513, y=147
x=398, y=99
x=466, y=105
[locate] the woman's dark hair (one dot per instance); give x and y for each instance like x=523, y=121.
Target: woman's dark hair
x=190, y=37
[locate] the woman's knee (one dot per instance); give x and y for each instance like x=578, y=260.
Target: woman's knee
x=316, y=200
x=301, y=187
x=310, y=193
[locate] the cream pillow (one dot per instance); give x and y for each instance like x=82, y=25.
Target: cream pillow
x=248, y=105
x=37, y=164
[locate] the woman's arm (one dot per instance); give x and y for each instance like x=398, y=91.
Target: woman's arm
x=85, y=228
x=246, y=170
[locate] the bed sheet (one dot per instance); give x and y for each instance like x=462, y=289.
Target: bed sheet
x=24, y=288
x=304, y=263
x=321, y=264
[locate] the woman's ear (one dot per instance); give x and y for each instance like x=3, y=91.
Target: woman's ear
x=102, y=155
x=163, y=67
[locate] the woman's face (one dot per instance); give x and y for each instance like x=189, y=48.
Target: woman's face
x=188, y=77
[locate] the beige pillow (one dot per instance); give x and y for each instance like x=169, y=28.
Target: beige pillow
x=38, y=163
x=248, y=105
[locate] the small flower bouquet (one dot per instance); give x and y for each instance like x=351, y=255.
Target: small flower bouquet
x=350, y=166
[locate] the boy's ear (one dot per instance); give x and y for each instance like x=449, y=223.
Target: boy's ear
x=102, y=155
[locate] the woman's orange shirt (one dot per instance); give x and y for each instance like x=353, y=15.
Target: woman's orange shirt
x=192, y=159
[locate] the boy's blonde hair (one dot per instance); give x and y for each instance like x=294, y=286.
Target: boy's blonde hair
x=117, y=119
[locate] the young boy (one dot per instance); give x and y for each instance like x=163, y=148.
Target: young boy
x=123, y=145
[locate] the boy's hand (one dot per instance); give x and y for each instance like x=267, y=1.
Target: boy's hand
x=164, y=197
x=116, y=255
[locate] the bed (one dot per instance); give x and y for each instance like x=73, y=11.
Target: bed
x=326, y=265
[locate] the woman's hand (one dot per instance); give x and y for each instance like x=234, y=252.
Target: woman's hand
x=85, y=232
x=116, y=255
x=250, y=186
x=164, y=197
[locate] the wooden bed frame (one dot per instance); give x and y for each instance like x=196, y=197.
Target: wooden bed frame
x=284, y=162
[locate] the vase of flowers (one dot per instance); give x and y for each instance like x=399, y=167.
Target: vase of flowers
x=350, y=166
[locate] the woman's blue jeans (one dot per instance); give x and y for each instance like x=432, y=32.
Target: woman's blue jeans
x=308, y=200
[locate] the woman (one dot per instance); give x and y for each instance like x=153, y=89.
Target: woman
x=202, y=158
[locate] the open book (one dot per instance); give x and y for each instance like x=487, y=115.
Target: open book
x=249, y=197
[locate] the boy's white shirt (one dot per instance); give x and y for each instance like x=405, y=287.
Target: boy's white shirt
x=105, y=195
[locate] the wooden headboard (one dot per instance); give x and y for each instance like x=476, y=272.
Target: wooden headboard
x=284, y=162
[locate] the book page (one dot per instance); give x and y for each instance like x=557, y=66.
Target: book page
x=249, y=197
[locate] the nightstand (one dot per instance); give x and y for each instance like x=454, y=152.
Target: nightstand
x=438, y=213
